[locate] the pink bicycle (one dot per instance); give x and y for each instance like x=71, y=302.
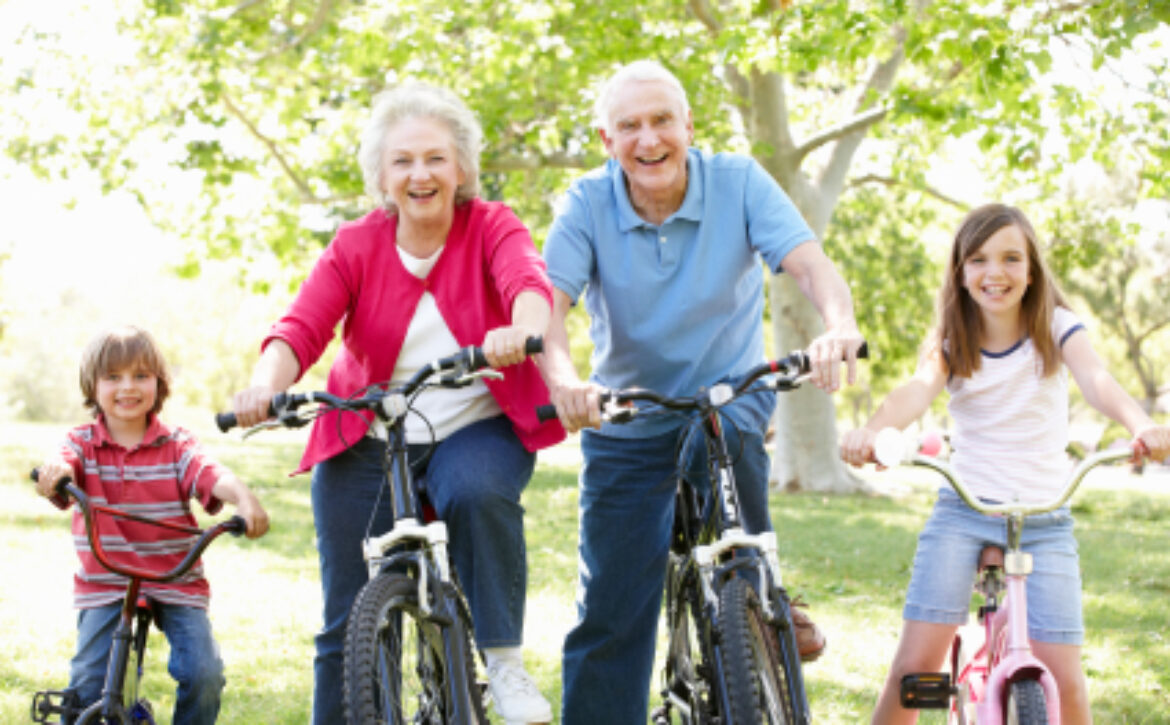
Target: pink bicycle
x=1003, y=681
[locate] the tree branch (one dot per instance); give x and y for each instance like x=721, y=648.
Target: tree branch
x=310, y=29
x=302, y=186
x=702, y=11
x=892, y=182
x=859, y=123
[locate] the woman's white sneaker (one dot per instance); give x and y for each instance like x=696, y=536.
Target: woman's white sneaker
x=515, y=696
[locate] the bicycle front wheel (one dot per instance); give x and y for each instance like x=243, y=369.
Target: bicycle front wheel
x=759, y=663
x=1026, y=704
x=396, y=670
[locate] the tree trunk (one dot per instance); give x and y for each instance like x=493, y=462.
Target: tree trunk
x=804, y=456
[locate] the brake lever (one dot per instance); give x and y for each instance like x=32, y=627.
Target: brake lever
x=464, y=378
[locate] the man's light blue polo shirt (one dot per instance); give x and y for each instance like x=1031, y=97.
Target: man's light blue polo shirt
x=679, y=306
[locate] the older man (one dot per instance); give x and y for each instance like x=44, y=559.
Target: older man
x=665, y=241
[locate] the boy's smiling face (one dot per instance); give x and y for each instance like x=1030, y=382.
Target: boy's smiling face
x=127, y=395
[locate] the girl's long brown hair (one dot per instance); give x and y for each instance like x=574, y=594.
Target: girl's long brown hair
x=959, y=326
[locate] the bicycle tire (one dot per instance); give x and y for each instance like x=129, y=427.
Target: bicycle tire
x=92, y=716
x=760, y=682
x=686, y=670
x=1026, y=704
x=395, y=670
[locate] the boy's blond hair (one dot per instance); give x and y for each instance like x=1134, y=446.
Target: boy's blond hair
x=119, y=348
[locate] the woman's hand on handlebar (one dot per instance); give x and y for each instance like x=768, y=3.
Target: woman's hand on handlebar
x=857, y=447
x=49, y=474
x=505, y=346
x=251, y=405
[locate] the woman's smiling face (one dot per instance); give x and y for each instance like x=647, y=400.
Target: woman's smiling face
x=420, y=169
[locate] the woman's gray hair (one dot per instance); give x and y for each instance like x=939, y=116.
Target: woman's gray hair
x=639, y=70
x=411, y=100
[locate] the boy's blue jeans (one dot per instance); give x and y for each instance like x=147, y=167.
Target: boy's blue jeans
x=194, y=663
x=626, y=513
x=474, y=479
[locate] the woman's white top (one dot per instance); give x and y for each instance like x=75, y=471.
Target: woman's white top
x=1011, y=423
x=428, y=338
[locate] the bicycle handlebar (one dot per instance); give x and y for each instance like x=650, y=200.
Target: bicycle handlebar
x=892, y=449
x=469, y=360
x=791, y=368
x=235, y=526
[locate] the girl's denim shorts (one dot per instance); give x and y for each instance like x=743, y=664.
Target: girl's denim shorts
x=943, y=579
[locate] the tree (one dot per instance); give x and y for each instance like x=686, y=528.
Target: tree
x=262, y=101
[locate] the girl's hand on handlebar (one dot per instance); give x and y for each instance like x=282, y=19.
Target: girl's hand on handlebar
x=857, y=447
x=251, y=406
x=504, y=346
x=1156, y=441
x=49, y=474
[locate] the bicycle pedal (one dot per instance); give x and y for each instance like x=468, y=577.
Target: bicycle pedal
x=48, y=703
x=927, y=691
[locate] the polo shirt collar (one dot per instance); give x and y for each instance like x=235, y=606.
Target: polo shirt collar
x=691, y=209
x=156, y=430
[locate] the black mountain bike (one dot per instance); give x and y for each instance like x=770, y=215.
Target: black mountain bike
x=120, y=703
x=408, y=641
x=731, y=655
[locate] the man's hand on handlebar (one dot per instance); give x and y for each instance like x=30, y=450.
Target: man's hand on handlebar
x=828, y=351
x=578, y=405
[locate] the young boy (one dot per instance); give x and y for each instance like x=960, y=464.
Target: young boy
x=128, y=458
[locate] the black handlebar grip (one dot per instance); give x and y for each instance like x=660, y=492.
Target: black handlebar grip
x=546, y=413
x=227, y=421
x=59, y=489
x=236, y=526
x=863, y=351
x=532, y=346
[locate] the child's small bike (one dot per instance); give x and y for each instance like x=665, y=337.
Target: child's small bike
x=1003, y=681
x=120, y=703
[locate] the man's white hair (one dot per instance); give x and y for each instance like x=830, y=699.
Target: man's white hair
x=639, y=70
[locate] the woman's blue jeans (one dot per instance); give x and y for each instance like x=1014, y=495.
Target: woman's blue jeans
x=194, y=663
x=474, y=479
x=626, y=513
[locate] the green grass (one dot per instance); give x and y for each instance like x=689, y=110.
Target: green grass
x=848, y=556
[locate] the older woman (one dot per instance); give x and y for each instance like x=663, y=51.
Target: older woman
x=434, y=269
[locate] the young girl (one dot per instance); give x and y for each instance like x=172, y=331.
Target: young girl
x=129, y=458
x=1002, y=333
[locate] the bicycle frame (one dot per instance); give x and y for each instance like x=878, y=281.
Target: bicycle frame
x=1005, y=655
x=120, y=703
x=711, y=548
x=421, y=545
x=419, y=548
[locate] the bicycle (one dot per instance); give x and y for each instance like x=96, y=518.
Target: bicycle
x=1002, y=681
x=408, y=642
x=120, y=703
x=731, y=654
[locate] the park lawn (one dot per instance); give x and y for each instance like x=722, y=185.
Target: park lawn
x=848, y=556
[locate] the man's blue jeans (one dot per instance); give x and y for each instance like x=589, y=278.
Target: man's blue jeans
x=474, y=479
x=626, y=513
x=194, y=663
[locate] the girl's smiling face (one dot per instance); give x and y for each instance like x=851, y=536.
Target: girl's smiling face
x=998, y=273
